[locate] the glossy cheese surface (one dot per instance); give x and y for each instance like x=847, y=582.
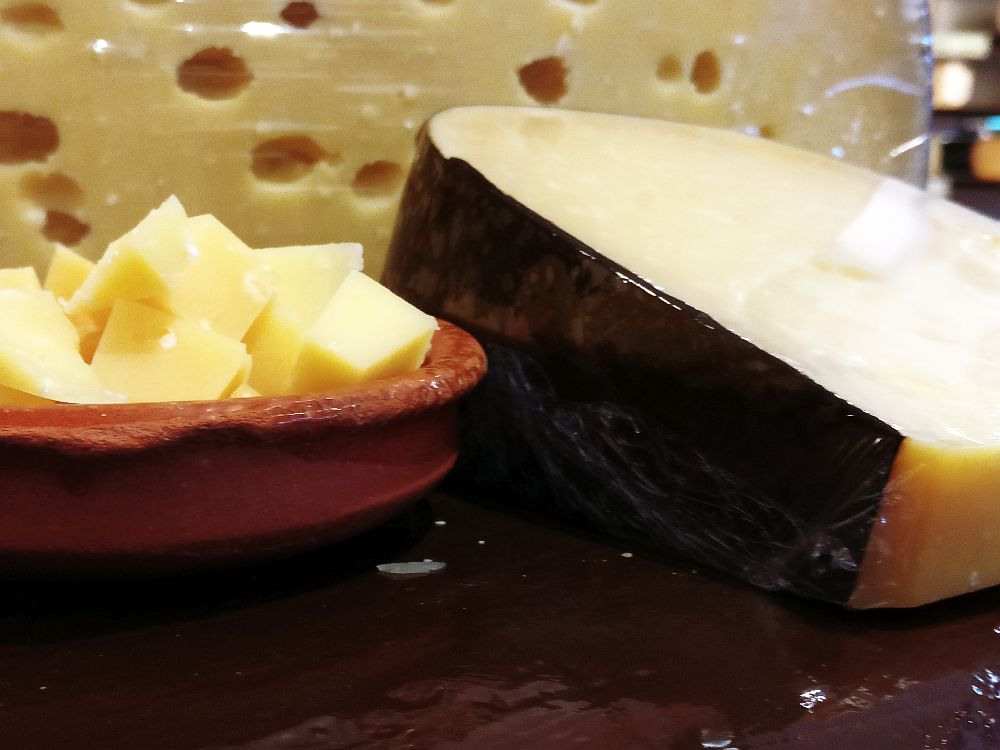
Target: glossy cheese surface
x=887, y=297
x=295, y=128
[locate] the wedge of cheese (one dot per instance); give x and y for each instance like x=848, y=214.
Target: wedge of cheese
x=293, y=123
x=781, y=366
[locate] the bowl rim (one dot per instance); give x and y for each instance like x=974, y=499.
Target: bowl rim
x=454, y=364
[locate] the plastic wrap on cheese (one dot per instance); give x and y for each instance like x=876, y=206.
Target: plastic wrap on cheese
x=293, y=122
x=749, y=355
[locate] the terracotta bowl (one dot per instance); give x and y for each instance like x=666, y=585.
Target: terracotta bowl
x=140, y=489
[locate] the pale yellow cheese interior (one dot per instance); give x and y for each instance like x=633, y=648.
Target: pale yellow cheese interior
x=19, y=278
x=39, y=352
x=66, y=272
x=302, y=134
x=225, y=284
x=150, y=355
x=364, y=332
x=885, y=296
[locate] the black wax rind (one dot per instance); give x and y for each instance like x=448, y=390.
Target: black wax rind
x=611, y=403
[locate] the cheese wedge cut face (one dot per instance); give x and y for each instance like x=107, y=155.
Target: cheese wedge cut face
x=806, y=345
x=298, y=129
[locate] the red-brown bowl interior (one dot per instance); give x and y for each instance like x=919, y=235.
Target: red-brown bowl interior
x=138, y=488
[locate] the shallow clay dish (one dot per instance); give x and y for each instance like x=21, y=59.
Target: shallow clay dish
x=140, y=489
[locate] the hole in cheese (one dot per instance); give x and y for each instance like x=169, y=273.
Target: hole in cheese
x=287, y=158
x=706, y=73
x=766, y=131
x=26, y=137
x=544, y=80
x=64, y=228
x=53, y=190
x=32, y=18
x=214, y=73
x=378, y=178
x=669, y=68
x=299, y=14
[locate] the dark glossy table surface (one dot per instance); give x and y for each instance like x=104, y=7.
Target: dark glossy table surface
x=533, y=636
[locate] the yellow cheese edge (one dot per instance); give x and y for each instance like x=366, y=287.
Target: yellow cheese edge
x=937, y=532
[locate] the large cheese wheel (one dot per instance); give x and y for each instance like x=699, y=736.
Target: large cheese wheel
x=754, y=356
x=293, y=122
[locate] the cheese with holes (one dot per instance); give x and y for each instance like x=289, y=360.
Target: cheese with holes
x=39, y=354
x=293, y=123
x=781, y=366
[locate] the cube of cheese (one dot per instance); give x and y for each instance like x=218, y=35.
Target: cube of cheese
x=150, y=355
x=274, y=342
x=66, y=273
x=39, y=351
x=225, y=284
x=308, y=275
x=19, y=278
x=141, y=265
x=365, y=332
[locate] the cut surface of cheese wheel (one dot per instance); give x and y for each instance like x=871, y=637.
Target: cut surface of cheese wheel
x=299, y=129
x=760, y=358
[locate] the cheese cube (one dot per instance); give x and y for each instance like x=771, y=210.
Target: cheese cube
x=38, y=351
x=141, y=265
x=274, y=342
x=66, y=273
x=365, y=332
x=150, y=355
x=308, y=275
x=225, y=284
x=19, y=278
